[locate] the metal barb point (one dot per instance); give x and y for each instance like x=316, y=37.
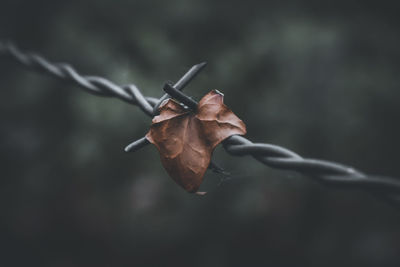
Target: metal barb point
x=181, y=83
x=178, y=95
x=136, y=145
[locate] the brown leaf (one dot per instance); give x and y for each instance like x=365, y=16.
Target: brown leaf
x=186, y=139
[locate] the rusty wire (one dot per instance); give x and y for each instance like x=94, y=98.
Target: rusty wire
x=329, y=173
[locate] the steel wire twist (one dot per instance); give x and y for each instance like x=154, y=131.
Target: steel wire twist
x=329, y=173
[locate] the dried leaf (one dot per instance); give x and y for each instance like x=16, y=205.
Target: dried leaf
x=186, y=139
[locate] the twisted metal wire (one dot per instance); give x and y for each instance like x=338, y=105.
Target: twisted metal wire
x=329, y=173
x=92, y=84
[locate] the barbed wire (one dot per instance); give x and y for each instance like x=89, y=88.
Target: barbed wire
x=326, y=172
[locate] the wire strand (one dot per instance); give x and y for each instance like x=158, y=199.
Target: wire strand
x=328, y=173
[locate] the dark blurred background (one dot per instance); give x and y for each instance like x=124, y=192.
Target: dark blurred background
x=320, y=78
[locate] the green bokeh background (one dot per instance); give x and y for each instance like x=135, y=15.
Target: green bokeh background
x=320, y=78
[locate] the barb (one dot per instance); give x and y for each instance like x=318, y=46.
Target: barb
x=329, y=173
